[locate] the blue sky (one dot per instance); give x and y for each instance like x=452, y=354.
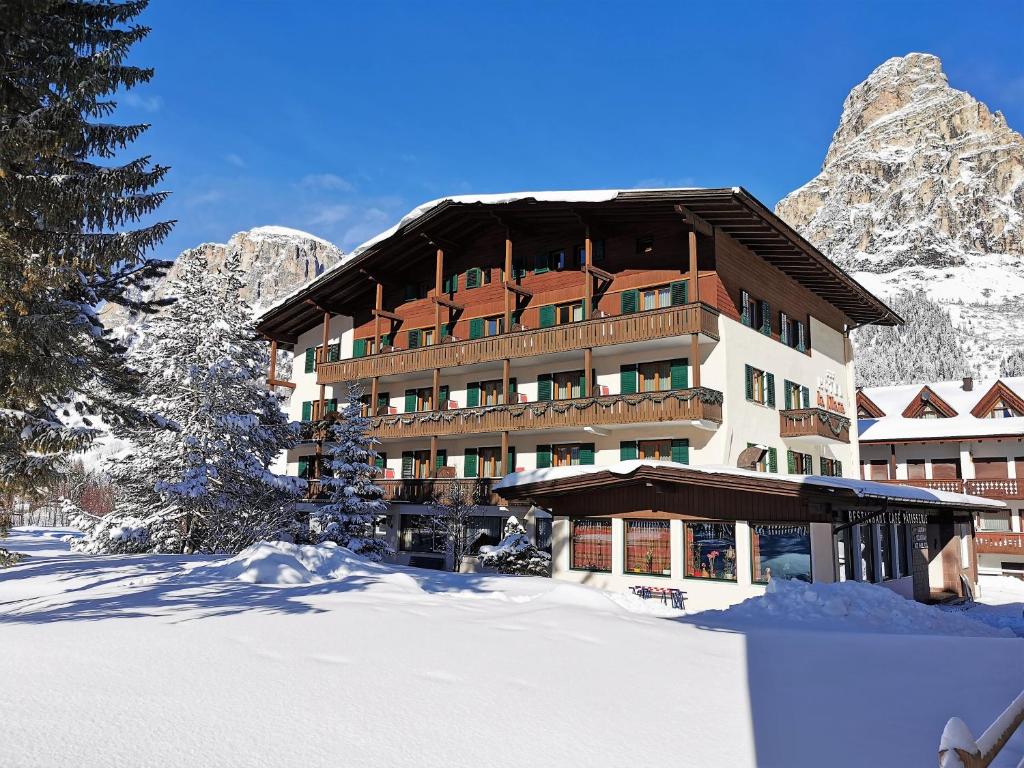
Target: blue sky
x=338, y=117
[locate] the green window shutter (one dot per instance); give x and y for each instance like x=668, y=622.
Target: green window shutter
x=512, y=386
x=627, y=379
x=469, y=463
x=333, y=352
x=474, y=278
x=587, y=453
x=839, y=468
x=476, y=328
x=583, y=384
x=547, y=315
x=442, y=458
x=680, y=373
x=773, y=460
x=307, y=410
x=414, y=339
x=784, y=328
x=511, y=458
x=540, y=264
x=748, y=373
x=411, y=291
x=822, y=466
x=407, y=464
x=805, y=397
x=310, y=360
x=679, y=291
x=472, y=394
x=544, y=386
x=745, y=317
x=681, y=451
x=383, y=401
x=304, y=466
x=629, y=301
x=791, y=462
x=359, y=348
x=518, y=269
x=597, y=250
x=331, y=406
x=384, y=340
x=543, y=456
x=381, y=461
x=444, y=395
x=410, y=401
x=808, y=464
x=801, y=337
x=787, y=393
x=769, y=385
x=766, y=318
x=628, y=450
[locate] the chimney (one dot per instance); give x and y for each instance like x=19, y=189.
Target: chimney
x=968, y=383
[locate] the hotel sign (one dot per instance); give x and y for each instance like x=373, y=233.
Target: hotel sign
x=830, y=395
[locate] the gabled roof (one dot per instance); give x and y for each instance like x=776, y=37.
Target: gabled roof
x=733, y=211
x=925, y=398
x=966, y=425
x=998, y=392
x=865, y=402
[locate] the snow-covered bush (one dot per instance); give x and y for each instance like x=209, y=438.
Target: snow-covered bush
x=515, y=553
x=109, y=535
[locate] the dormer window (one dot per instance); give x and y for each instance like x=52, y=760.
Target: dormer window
x=1001, y=410
x=929, y=411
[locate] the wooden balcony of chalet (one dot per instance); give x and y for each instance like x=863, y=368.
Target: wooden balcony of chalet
x=999, y=543
x=700, y=405
x=1004, y=488
x=424, y=490
x=596, y=332
x=815, y=425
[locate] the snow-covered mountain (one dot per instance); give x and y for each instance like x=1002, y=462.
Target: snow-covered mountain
x=275, y=261
x=923, y=187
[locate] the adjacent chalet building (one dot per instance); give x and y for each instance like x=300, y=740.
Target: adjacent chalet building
x=509, y=334
x=962, y=436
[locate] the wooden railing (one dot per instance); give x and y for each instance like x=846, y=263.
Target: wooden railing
x=423, y=490
x=952, y=485
x=673, y=405
x=599, y=332
x=997, y=489
x=999, y=543
x=959, y=749
x=814, y=422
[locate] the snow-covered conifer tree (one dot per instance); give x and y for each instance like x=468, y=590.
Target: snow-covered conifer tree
x=1012, y=364
x=204, y=485
x=515, y=553
x=355, y=502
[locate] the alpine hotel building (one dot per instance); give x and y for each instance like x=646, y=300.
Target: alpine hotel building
x=552, y=335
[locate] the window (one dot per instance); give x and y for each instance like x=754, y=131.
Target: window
x=996, y=468
x=994, y=521
x=915, y=469
x=795, y=396
x=655, y=298
x=561, y=260
x=768, y=461
x=876, y=469
x=660, y=450
x=866, y=546
x=946, y=469
x=482, y=531
x=307, y=467
x=780, y=550
x=490, y=392
x=419, y=399
x=655, y=377
x=569, y=313
x=648, y=550
x=565, y=455
x=799, y=463
x=544, y=531
x=418, y=535
x=490, y=462
x=567, y=385
x=591, y=545
x=427, y=337
x=1002, y=411
x=929, y=411
x=760, y=386
x=711, y=551
x=494, y=325
x=645, y=245
x=831, y=467
x=416, y=464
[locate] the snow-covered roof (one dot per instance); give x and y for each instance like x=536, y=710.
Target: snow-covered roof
x=894, y=400
x=860, y=488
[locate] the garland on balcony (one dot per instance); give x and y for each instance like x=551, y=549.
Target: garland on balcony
x=833, y=421
x=702, y=394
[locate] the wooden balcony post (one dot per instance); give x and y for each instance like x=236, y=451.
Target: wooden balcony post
x=588, y=372
x=438, y=285
x=323, y=359
x=506, y=369
x=509, y=296
x=892, y=462
x=505, y=468
x=432, y=469
x=436, y=398
x=273, y=362
x=374, y=390
x=588, y=279
x=694, y=280
x=695, y=358
x=378, y=304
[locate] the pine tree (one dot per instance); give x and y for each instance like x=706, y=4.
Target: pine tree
x=355, y=503
x=1012, y=364
x=928, y=348
x=66, y=245
x=515, y=554
x=204, y=485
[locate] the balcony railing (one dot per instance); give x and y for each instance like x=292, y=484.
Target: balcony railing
x=673, y=405
x=423, y=490
x=999, y=543
x=598, y=332
x=997, y=489
x=815, y=423
x=953, y=485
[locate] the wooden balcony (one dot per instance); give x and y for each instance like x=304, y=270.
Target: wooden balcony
x=599, y=332
x=814, y=425
x=995, y=489
x=423, y=490
x=952, y=485
x=999, y=543
x=701, y=404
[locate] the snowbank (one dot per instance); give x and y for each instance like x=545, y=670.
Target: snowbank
x=847, y=606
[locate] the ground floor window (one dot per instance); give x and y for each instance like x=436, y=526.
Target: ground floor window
x=780, y=551
x=591, y=545
x=418, y=535
x=544, y=531
x=647, y=547
x=994, y=521
x=711, y=551
x=483, y=531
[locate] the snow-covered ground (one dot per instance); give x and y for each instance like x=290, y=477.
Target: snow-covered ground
x=287, y=656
